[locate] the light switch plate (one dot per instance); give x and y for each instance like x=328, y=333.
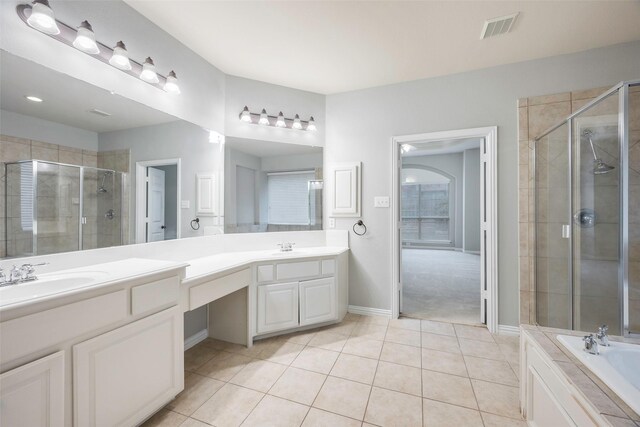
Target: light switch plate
x=332, y=223
x=184, y=204
x=381, y=202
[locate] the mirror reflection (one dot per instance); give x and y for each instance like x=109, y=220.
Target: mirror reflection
x=83, y=168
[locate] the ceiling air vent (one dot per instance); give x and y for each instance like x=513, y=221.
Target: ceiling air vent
x=496, y=26
x=99, y=112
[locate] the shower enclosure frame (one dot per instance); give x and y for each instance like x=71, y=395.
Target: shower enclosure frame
x=623, y=142
x=34, y=171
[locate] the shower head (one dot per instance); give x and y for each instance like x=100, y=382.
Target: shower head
x=102, y=188
x=599, y=166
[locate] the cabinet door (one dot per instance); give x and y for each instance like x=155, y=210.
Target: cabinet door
x=345, y=189
x=124, y=376
x=33, y=394
x=277, y=307
x=317, y=301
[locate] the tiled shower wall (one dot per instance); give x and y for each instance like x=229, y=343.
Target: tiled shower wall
x=535, y=115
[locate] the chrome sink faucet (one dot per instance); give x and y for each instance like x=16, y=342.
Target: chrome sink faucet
x=590, y=344
x=603, y=336
x=286, y=246
x=24, y=273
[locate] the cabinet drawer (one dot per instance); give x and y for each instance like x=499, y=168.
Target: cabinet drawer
x=328, y=267
x=212, y=290
x=25, y=335
x=297, y=270
x=155, y=295
x=265, y=273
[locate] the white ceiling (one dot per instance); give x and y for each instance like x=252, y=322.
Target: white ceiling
x=67, y=100
x=336, y=46
x=260, y=148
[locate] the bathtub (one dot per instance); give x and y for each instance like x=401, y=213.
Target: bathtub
x=618, y=366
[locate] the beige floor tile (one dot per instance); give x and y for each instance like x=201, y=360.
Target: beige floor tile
x=302, y=338
x=319, y=418
x=492, y=420
x=190, y=422
x=224, y=366
x=197, y=356
x=259, y=375
x=497, y=398
x=497, y=371
x=440, y=328
x=316, y=360
x=283, y=352
x=275, y=412
x=401, y=354
x=482, y=349
x=405, y=323
x=352, y=317
x=440, y=342
x=448, y=388
x=355, y=368
x=477, y=333
x=298, y=385
x=405, y=379
x=403, y=336
x=165, y=418
x=229, y=406
x=343, y=397
x=255, y=350
x=442, y=361
x=439, y=414
x=342, y=328
x=197, y=390
x=363, y=347
x=390, y=408
x=375, y=320
x=369, y=331
x=328, y=340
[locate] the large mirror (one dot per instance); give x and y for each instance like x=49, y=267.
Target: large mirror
x=83, y=168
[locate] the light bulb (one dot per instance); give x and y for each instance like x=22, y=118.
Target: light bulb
x=33, y=98
x=296, y=122
x=120, y=57
x=280, y=123
x=171, y=85
x=245, y=115
x=148, y=73
x=264, y=119
x=42, y=18
x=86, y=39
x=311, y=125
x=405, y=148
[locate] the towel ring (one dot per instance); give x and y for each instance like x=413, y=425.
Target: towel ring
x=360, y=224
x=197, y=226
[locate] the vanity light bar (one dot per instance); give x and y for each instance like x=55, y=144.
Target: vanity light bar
x=279, y=121
x=83, y=39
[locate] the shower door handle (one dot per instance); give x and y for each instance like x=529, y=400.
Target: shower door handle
x=83, y=220
x=566, y=231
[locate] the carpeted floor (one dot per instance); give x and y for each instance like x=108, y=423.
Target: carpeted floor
x=441, y=285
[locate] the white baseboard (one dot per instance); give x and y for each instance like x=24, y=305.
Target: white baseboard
x=508, y=330
x=472, y=252
x=195, y=339
x=368, y=311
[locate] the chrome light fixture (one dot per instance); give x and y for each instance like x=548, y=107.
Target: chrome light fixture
x=311, y=125
x=86, y=39
x=245, y=115
x=264, y=118
x=171, y=85
x=120, y=57
x=280, y=123
x=42, y=18
x=296, y=123
x=148, y=73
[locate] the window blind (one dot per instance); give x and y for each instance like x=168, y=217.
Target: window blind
x=26, y=196
x=288, y=194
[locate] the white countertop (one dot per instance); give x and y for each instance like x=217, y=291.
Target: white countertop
x=72, y=281
x=200, y=268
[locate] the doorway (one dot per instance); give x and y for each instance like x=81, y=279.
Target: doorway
x=157, y=200
x=444, y=229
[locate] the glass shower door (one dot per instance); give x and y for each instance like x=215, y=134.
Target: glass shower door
x=101, y=209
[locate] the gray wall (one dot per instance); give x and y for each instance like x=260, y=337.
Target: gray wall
x=170, y=197
x=28, y=127
x=453, y=165
x=233, y=159
x=471, y=201
x=360, y=126
x=172, y=140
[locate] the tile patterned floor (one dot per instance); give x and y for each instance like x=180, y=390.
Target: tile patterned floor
x=365, y=371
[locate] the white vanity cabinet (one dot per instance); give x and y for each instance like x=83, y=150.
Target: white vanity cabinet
x=277, y=307
x=317, y=301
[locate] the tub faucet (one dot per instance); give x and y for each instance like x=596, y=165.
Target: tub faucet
x=590, y=344
x=603, y=336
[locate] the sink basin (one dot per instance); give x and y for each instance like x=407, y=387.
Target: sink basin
x=293, y=252
x=48, y=284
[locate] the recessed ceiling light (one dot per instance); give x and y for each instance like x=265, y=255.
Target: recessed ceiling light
x=33, y=98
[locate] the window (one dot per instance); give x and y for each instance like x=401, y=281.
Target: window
x=288, y=194
x=426, y=211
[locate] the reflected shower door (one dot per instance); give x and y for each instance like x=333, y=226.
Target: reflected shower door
x=101, y=209
x=596, y=217
x=634, y=210
x=553, y=244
